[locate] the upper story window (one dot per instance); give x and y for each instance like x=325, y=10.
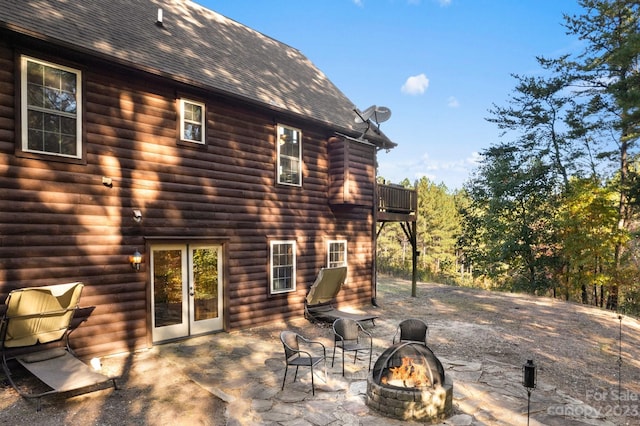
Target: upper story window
x=51, y=112
x=283, y=266
x=192, y=121
x=289, y=142
x=336, y=253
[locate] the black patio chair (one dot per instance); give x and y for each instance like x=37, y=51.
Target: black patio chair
x=412, y=330
x=297, y=357
x=349, y=335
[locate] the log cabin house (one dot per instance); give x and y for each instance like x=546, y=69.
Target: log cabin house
x=193, y=173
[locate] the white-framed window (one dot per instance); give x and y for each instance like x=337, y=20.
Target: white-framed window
x=51, y=100
x=192, y=121
x=336, y=253
x=283, y=266
x=289, y=143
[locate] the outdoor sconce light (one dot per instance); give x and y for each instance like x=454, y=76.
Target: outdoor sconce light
x=529, y=381
x=137, y=215
x=136, y=260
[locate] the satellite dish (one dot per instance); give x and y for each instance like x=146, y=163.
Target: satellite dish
x=381, y=114
x=365, y=115
x=363, y=118
x=362, y=125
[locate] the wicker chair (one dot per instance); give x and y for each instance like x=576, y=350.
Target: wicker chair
x=295, y=356
x=350, y=336
x=412, y=330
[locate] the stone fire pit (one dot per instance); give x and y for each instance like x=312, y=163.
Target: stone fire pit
x=408, y=383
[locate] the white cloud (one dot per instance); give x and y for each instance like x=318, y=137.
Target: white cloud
x=459, y=165
x=452, y=102
x=453, y=173
x=415, y=85
x=444, y=3
x=475, y=158
x=360, y=2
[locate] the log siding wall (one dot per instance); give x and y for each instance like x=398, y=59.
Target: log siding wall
x=59, y=223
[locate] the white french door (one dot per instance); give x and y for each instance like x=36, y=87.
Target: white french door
x=186, y=290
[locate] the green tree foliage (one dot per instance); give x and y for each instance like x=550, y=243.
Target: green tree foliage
x=438, y=227
x=608, y=73
x=587, y=225
x=535, y=113
x=553, y=205
x=512, y=212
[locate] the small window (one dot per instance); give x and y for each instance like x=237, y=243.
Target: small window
x=336, y=253
x=289, y=144
x=192, y=121
x=51, y=108
x=283, y=266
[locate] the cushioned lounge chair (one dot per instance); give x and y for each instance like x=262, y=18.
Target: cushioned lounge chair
x=36, y=326
x=318, y=305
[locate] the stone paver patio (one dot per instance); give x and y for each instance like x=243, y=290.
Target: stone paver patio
x=245, y=369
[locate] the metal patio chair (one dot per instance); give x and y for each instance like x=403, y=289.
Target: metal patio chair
x=294, y=355
x=349, y=335
x=412, y=330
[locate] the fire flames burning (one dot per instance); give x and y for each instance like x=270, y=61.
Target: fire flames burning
x=410, y=374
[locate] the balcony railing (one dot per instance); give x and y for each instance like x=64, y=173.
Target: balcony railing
x=397, y=199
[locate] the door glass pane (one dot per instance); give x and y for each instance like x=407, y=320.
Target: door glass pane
x=205, y=283
x=167, y=290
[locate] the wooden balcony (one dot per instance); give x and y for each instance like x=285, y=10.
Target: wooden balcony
x=396, y=203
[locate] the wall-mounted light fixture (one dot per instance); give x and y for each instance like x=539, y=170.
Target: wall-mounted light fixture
x=137, y=215
x=529, y=381
x=135, y=259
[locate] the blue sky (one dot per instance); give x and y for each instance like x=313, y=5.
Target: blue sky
x=439, y=65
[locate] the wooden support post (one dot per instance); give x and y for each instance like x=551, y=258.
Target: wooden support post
x=414, y=262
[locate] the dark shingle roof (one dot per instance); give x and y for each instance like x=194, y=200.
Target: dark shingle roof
x=194, y=45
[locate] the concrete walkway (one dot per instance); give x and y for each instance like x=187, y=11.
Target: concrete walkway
x=245, y=369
